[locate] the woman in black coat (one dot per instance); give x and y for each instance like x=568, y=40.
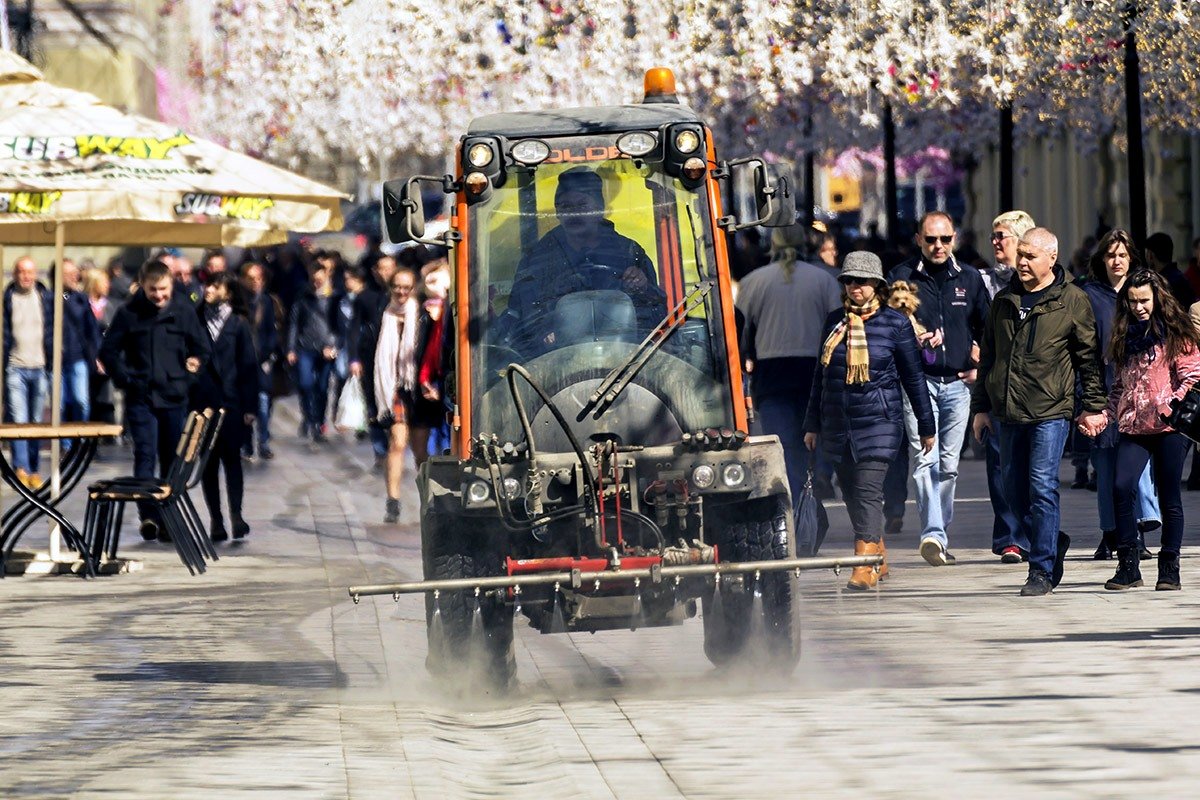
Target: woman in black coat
x=855, y=412
x=229, y=381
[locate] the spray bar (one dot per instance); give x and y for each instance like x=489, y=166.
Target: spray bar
x=577, y=579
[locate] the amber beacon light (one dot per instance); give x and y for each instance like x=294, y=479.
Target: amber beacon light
x=660, y=86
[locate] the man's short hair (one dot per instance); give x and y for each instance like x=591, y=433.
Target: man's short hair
x=1163, y=248
x=1042, y=238
x=580, y=180
x=358, y=273
x=153, y=271
x=928, y=215
x=1018, y=223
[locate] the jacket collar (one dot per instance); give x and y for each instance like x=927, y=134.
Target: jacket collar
x=923, y=269
x=1015, y=289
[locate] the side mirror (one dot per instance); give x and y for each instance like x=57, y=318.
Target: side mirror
x=756, y=198
x=404, y=212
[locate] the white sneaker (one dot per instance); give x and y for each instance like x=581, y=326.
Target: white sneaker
x=935, y=553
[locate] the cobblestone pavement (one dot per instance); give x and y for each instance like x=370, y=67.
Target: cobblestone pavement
x=261, y=677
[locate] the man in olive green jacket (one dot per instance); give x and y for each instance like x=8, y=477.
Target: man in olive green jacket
x=1039, y=337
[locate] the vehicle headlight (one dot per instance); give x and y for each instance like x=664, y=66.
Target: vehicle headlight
x=530, y=152
x=478, y=492
x=476, y=183
x=687, y=141
x=704, y=476
x=480, y=155
x=733, y=475
x=512, y=488
x=693, y=168
x=637, y=143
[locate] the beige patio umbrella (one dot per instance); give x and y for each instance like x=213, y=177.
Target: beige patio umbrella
x=72, y=168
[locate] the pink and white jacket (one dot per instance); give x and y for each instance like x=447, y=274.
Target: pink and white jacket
x=1145, y=386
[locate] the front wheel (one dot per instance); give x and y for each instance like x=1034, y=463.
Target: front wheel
x=758, y=620
x=470, y=635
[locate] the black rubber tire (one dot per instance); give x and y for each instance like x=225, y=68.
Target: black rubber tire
x=731, y=632
x=450, y=551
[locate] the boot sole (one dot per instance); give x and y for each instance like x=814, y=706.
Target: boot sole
x=934, y=554
x=859, y=587
x=1120, y=587
x=1167, y=587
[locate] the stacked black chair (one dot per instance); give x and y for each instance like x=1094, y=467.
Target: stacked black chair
x=107, y=499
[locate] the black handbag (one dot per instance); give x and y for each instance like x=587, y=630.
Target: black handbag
x=1185, y=414
x=812, y=523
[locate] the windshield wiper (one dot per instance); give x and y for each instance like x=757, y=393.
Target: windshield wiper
x=616, y=381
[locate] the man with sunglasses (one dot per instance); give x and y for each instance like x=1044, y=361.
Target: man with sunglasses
x=954, y=307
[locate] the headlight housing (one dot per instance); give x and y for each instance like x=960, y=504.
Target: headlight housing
x=733, y=475
x=480, y=155
x=686, y=141
x=637, y=143
x=530, y=152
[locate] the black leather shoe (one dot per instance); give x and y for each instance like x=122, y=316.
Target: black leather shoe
x=216, y=531
x=1168, y=572
x=1108, y=544
x=240, y=528
x=392, y=514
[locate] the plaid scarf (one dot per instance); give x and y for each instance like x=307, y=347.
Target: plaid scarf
x=858, y=358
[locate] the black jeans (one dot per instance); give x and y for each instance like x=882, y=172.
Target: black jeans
x=227, y=454
x=895, y=486
x=862, y=488
x=155, y=433
x=1169, y=451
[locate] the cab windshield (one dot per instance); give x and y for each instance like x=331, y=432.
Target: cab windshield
x=573, y=263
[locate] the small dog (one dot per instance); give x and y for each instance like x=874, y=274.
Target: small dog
x=904, y=299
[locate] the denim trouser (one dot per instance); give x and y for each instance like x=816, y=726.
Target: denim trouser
x=155, y=433
x=379, y=440
x=312, y=377
x=1146, y=506
x=76, y=391
x=26, y=388
x=1168, y=452
x=1029, y=457
x=264, y=418
x=1004, y=524
x=784, y=417
x=935, y=473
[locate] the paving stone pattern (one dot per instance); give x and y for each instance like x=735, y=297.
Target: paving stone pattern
x=261, y=678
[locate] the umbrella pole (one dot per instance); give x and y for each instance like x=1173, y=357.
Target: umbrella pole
x=60, y=240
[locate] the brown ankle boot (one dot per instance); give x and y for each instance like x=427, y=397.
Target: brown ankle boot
x=865, y=577
x=883, y=568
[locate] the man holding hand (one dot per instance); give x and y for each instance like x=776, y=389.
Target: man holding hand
x=1040, y=335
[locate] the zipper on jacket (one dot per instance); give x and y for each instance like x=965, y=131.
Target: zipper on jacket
x=1032, y=334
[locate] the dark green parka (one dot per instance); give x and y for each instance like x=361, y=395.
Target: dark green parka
x=1027, y=367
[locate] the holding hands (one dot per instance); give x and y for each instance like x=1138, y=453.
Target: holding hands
x=1092, y=424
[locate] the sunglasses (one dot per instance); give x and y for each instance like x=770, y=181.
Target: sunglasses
x=942, y=239
x=852, y=281
x=1000, y=237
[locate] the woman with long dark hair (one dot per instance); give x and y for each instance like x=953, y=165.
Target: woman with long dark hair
x=1155, y=353
x=229, y=381
x=868, y=356
x=1111, y=265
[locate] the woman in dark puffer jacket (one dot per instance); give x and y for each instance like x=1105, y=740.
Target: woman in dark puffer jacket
x=855, y=411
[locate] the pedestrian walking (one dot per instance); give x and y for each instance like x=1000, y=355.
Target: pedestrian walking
x=265, y=314
x=1111, y=264
x=1160, y=258
x=782, y=307
x=398, y=355
x=152, y=351
x=869, y=352
x=230, y=380
x=28, y=343
x=362, y=341
x=80, y=347
x=1040, y=338
x=312, y=350
x=1007, y=230
x=1156, y=356
x=435, y=291
x=342, y=307
x=97, y=285
x=954, y=304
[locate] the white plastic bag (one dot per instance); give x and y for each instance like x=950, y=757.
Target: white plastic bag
x=351, y=407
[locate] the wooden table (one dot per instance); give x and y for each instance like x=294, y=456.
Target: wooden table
x=39, y=502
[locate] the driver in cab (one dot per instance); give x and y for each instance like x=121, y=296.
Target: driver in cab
x=584, y=252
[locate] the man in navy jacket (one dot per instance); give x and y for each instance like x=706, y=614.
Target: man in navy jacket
x=954, y=307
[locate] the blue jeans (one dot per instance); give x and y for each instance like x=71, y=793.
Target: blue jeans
x=1029, y=457
x=155, y=433
x=783, y=416
x=76, y=391
x=935, y=474
x=1004, y=524
x=26, y=388
x=312, y=378
x=264, y=418
x=1104, y=459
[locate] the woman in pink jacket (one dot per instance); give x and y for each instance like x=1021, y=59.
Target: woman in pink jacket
x=1155, y=352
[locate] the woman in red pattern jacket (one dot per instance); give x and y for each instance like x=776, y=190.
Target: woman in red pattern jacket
x=1155, y=352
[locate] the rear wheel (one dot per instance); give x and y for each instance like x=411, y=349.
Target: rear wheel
x=470, y=635
x=757, y=620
